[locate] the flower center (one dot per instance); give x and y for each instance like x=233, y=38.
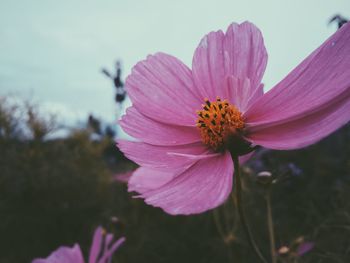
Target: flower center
x=218, y=121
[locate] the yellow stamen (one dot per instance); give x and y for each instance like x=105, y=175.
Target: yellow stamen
x=217, y=121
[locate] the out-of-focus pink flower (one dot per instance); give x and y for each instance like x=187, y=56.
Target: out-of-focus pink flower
x=101, y=251
x=123, y=177
x=297, y=249
x=304, y=248
x=189, y=122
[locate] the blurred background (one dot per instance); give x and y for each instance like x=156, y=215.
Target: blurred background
x=62, y=71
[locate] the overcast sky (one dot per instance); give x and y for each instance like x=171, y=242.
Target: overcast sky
x=52, y=51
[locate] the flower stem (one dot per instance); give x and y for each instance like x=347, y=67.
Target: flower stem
x=270, y=227
x=238, y=193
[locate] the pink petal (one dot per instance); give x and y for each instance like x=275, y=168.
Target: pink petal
x=107, y=255
x=203, y=186
x=161, y=88
x=108, y=239
x=147, y=130
x=63, y=254
x=239, y=53
x=145, y=179
x=304, y=131
x=96, y=245
x=242, y=93
x=161, y=157
x=122, y=177
x=310, y=103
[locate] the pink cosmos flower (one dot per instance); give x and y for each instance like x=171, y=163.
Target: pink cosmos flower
x=101, y=251
x=189, y=122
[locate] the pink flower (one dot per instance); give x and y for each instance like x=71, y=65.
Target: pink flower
x=189, y=122
x=122, y=177
x=101, y=250
x=304, y=248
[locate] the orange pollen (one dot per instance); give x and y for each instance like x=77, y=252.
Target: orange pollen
x=217, y=121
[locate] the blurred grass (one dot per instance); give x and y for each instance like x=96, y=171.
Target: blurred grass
x=55, y=192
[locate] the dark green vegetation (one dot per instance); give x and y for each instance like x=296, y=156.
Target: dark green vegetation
x=55, y=192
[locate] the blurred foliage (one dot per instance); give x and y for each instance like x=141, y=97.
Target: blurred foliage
x=55, y=192
x=116, y=77
x=21, y=120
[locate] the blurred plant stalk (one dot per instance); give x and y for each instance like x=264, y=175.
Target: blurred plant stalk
x=238, y=195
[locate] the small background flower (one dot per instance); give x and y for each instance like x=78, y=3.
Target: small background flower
x=101, y=251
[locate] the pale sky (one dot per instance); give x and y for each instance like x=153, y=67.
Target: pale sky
x=52, y=51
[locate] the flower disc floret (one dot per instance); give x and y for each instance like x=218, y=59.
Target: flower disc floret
x=217, y=121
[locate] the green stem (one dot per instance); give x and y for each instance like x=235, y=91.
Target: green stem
x=218, y=225
x=270, y=227
x=241, y=210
